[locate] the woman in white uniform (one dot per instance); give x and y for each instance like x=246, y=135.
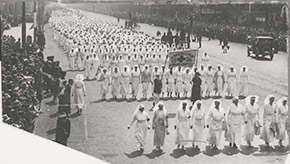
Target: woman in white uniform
x=251, y=118
x=282, y=118
x=215, y=117
x=142, y=124
x=235, y=120
x=269, y=118
x=197, y=123
x=182, y=123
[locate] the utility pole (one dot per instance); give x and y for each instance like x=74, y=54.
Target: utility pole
x=34, y=23
x=1, y=30
x=23, y=25
x=288, y=51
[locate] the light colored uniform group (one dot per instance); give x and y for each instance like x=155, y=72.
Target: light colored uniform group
x=191, y=121
x=218, y=82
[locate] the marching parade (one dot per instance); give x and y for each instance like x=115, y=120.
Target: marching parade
x=113, y=87
x=122, y=60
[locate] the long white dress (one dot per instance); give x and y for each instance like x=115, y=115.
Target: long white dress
x=232, y=83
x=115, y=76
x=198, y=123
x=94, y=67
x=235, y=113
x=146, y=82
x=251, y=116
x=179, y=84
x=215, y=118
x=125, y=83
x=159, y=123
x=268, y=118
x=209, y=81
x=219, y=80
x=282, y=118
x=141, y=127
x=71, y=59
x=187, y=77
x=105, y=80
x=182, y=123
x=203, y=81
x=171, y=80
x=78, y=92
x=135, y=78
x=244, y=83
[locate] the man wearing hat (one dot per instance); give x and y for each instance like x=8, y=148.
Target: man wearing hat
x=63, y=127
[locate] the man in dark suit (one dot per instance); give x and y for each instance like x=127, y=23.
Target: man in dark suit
x=63, y=128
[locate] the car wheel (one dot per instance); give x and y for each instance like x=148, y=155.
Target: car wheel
x=248, y=53
x=257, y=56
x=271, y=56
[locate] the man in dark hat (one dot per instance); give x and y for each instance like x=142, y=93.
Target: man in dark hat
x=63, y=128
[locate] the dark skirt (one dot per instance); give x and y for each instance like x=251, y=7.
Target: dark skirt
x=195, y=94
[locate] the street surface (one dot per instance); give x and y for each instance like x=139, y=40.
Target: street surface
x=101, y=131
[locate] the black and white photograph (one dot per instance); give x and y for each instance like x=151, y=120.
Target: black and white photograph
x=146, y=81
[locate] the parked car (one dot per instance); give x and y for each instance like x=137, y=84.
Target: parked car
x=262, y=46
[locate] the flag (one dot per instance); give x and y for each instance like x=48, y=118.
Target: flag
x=184, y=58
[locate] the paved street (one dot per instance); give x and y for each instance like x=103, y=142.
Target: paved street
x=101, y=131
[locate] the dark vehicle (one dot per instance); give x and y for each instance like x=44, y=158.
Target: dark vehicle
x=262, y=46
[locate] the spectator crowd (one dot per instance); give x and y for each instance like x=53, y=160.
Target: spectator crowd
x=179, y=17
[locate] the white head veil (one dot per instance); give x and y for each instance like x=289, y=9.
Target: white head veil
x=128, y=69
x=280, y=102
x=212, y=106
x=136, y=66
x=195, y=104
x=156, y=107
x=267, y=99
x=222, y=68
x=137, y=109
x=146, y=65
x=233, y=68
x=181, y=104
x=248, y=99
x=244, y=67
x=79, y=78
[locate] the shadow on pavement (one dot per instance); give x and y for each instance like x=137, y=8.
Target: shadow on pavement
x=150, y=99
x=177, y=153
x=264, y=148
x=54, y=115
x=75, y=115
x=111, y=99
x=98, y=101
x=230, y=150
x=154, y=154
x=281, y=149
x=217, y=97
x=141, y=99
x=130, y=100
x=134, y=154
x=248, y=150
x=211, y=152
x=51, y=131
x=242, y=97
x=191, y=152
x=228, y=97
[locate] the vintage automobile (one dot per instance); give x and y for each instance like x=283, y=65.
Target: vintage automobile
x=262, y=46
